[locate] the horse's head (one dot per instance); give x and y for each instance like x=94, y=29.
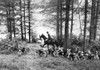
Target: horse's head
x=43, y=36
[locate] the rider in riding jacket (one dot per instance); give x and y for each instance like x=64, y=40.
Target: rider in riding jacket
x=49, y=36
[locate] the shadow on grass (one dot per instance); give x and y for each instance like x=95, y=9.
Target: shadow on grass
x=8, y=67
x=88, y=65
x=53, y=65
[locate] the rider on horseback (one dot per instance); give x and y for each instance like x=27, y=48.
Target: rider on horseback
x=49, y=36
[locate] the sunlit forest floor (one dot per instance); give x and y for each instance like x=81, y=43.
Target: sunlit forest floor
x=31, y=61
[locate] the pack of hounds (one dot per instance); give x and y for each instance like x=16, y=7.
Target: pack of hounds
x=70, y=53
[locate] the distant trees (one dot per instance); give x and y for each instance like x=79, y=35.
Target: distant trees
x=85, y=10
x=60, y=19
x=61, y=13
x=17, y=14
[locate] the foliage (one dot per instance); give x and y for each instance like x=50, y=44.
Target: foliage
x=95, y=46
x=33, y=34
x=8, y=46
x=77, y=41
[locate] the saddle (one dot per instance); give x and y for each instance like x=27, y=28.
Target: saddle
x=49, y=40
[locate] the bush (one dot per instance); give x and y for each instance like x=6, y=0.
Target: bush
x=77, y=41
x=94, y=46
x=10, y=46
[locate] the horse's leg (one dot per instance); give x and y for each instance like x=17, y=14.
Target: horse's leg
x=44, y=44
x=48, y=46
x=54, y=50
x=54, y=47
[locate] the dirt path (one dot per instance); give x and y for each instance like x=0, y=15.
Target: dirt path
x=31, y=61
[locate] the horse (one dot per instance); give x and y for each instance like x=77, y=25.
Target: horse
x=49, y=42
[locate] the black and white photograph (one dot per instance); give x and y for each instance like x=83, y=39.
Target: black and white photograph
x=49, y=34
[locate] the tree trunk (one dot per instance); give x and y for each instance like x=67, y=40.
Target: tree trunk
x=80, y=25
x=72, y=10
x=7, y=12
x=24, y=21
x=66, y=39
x=92, y=21
x=85, y=24
x=14, y=30
x=29, y=21
x=10, y=24
x=57, y=29
x=60, y=20
x=21, y=23
x=96, y=20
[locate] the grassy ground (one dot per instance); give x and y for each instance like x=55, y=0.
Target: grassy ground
x=31, y=61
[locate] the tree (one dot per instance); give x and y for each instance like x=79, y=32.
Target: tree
x=14, y=29
x=8, y=7
x=96, y=18
x=85, y=23
x=72, y=12
x=66, y=39
x=16, y=11
x=29, y=20
x=92, y=21
x=21, y=23
x=57, y=29
x=60, y=25
x=24, y=20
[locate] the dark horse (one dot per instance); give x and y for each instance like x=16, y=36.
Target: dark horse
x=49, y=42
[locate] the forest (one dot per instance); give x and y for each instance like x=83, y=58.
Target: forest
x=49, y=34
